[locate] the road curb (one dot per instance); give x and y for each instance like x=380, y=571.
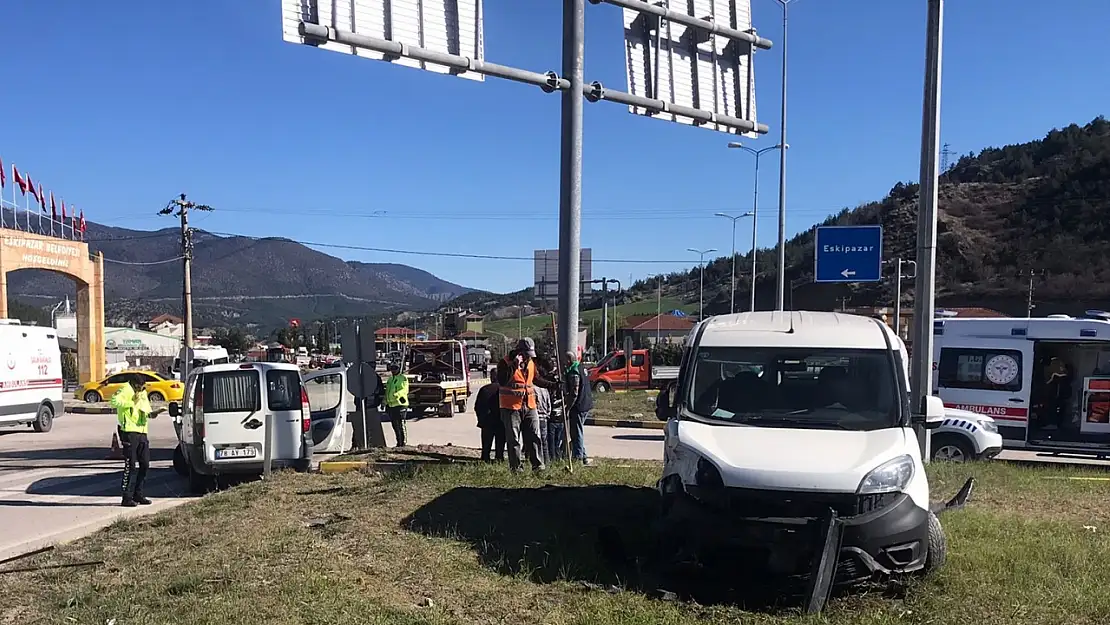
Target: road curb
x=622, y=423
x=90, y=410
x=343, y=466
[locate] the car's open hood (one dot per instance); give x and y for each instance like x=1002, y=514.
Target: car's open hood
x=792, y=458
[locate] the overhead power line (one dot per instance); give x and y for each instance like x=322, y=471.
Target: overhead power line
x=385, y=250
x=145, y=264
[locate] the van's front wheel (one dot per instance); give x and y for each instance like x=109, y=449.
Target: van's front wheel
x=937, y=548
x=601, y=387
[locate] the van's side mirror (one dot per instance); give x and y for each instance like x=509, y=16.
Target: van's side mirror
x=663, y=409
x=174, y=409
x=931, y=414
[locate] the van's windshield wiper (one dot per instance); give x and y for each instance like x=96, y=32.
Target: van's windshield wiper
x=786, y=420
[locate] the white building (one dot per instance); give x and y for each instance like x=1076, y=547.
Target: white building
x=124, y=344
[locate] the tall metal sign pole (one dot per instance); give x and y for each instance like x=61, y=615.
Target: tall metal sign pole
x=921, y=372
x=780, y=290
x=570, y=184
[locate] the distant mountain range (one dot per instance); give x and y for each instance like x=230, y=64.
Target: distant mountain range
x=238, y=280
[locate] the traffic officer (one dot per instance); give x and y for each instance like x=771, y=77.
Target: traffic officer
x=132, y=412
x=517, y=377
x=397, y=403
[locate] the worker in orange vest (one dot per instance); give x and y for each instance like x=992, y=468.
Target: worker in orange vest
x=517, y=377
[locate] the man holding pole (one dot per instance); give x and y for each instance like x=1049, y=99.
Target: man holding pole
x=517, y=378
x=578, y=404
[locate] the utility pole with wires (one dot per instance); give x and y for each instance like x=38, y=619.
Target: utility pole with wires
x=180, y=207
x=1029, y=305
x=945, y=154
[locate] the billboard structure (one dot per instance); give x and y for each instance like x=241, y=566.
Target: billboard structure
x=545, y=285
x=444, y=26
x=669, y=60
x=446, y=36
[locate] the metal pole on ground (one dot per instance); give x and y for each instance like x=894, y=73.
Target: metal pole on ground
x=570, y=187
x=780, y=292
x=924, y=287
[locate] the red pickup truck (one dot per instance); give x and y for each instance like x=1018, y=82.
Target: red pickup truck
x=617, y=372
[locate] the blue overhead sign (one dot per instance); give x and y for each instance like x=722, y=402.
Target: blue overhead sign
x=848, y=254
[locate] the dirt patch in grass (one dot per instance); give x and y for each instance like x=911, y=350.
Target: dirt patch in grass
x=468, y=543
x=629, y=406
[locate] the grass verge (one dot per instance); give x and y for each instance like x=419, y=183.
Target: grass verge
x=468, y=543
x=632, y=405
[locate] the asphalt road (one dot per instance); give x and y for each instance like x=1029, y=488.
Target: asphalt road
x=58, y=486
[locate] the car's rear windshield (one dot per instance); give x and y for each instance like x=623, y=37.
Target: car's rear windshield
x=854, y=389
x=232, y=391
x=283, y=389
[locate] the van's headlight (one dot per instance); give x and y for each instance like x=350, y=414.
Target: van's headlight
x=989, y=426
x=890, y=477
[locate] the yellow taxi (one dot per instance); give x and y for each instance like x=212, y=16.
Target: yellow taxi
x=159, y=389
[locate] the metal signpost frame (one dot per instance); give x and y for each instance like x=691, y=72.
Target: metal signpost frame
x=545, y=270
x=360, y=353
x=335, y=25
x=843, y=254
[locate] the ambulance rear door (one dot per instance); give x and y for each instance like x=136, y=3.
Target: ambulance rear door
x=988, y=376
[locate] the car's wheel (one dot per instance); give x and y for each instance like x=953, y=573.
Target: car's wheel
x=156, y=396
x=180, y=466
x=460, y=407
x=952, y=448
x=44, y=420
x=444, y=410
x=92, y=397
x=602, y=387
x=199, y=484
x=937, y=551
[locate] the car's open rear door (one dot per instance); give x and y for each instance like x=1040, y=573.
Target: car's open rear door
x=327, y=398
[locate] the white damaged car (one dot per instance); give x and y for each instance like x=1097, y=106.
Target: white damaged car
x=790, y=443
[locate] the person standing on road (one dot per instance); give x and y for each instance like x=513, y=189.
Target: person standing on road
x=132, y=414
x=579, y=402
x=543, y=414
x=517, y=378
x=488, y=408
x=397, y=403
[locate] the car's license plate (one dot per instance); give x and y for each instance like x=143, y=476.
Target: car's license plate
x=235, y=452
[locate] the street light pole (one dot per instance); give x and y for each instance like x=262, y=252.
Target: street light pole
x=781, y=287
x=755, y=201
x=701, y=281
x=734, y=219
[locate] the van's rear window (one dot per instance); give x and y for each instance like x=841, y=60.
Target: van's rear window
x=232, y=391
x=283, y=389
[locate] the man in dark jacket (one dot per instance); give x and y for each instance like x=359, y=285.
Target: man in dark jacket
x=488, y=409
x=579, y=403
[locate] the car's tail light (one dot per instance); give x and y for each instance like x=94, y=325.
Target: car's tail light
x=306, y=412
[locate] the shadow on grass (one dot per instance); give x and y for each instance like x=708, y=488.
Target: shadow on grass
x=601, y=536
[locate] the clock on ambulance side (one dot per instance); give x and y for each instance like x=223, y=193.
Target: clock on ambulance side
x=1002, y=369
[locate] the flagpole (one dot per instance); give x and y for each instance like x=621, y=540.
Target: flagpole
x=28, y=215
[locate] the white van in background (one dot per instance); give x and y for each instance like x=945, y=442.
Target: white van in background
x=199, y=357
x=221, y=422
x=30, y=375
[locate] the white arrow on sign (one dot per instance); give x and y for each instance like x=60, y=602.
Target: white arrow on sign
x=848, y=273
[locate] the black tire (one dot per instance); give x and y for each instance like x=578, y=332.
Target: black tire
x=460, y=407
x=44, y=420
x=952, y=448
x=156, y=396
x=92, y=397
x=937, y=551
x=180, y=466
x=199, y=484
x=602, y=387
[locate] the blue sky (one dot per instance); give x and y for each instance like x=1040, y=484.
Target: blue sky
x=119, y=110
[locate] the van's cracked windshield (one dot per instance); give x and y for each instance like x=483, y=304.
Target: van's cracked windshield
x=778, y=387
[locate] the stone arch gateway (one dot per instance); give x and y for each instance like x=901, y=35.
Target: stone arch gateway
x=26, y=250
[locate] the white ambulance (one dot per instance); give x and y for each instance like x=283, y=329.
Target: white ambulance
x=30, y=375
x=1045, y=381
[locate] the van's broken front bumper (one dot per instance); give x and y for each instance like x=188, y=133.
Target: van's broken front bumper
x=865, y=536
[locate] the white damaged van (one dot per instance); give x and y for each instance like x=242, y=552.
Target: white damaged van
x=789, y=444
